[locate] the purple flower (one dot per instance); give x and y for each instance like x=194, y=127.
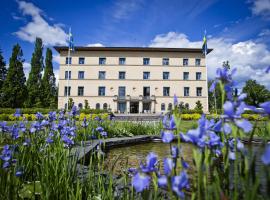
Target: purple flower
x=39, y=116
x=179, y=183
x=229, y=109
x=227, y=128
x=232, y=155
x=267, y=70
x=74, y=111
x=213, y=86
x=151, y=162
x=140, y=182
x=103, y=134
x=132, y=170
x=175, y=100
x=175, y=151
x=22, y=127
x=68, y=142
x=266, y=156
x=167, y=136
x=6, y=156
x=52, y=116
x=185, y=165
x=15, y=132
x=240, y=146
x=84, y=123
x=168, y=166
x=162, y=181
x=19, y=173
x=26, y=142
x=169, y=123
x=244, y=124
x=100, y=129
x=266, y=107
x=49, y=140
x=17, y=113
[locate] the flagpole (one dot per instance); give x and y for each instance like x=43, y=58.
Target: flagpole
x=206, y=75
x=68, y=66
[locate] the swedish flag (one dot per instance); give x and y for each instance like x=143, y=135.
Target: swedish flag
x=204, y=46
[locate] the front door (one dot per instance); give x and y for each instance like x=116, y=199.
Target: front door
x=146, y=107
x=134, y=107
x=122, y=107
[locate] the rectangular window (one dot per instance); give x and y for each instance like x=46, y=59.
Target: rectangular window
x=185, y=62
x=80, y=91
x=101, y=91
x=122, y=75
x=198, y=62
x=102, y=61
x=186, y=91
x=146, y=91
x=166, y=75
x=199, y=91
x=146, y=61
x=67, y=75
x=121, y=91
x=101, y=75
x=122, y=61
x=81, y=75
x=81, y=61
x=67, y=91
x=165, y=61
x=68, y=59
x=186, y=75
x=198, y=75
x=146, y=75
x=166, y=91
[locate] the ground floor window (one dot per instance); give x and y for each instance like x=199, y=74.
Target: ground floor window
x=163, y=106
x=97, y=106
x=105, y=106
x=122, y=107
x=170, y=106
x=80, y=105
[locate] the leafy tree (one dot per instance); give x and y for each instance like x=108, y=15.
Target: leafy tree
x=214, y=98
x=3, y=70
x=14, y=90
x=86, y=104
x=199, y=106
x=256, y=93
x=70, y=103
x=34, y=80
x=48, y=83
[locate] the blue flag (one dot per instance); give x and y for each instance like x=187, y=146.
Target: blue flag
x=204, y=46
x=71, y=43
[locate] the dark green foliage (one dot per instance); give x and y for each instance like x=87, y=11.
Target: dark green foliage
x=3, y=70
x=48, y=83
x=256, y=93
x=34, y=80
x=86, y=104
x=226, y=64
x=14, y=90
x=70, y=103
x=198, y=106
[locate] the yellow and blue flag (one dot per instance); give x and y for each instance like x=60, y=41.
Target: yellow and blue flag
x=204, y=46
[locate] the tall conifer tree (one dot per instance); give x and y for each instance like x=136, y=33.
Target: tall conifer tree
x=14, y=89
x=34, y=79
x=3, y=70
x=48, y=82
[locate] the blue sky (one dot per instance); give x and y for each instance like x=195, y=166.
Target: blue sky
x=238, y=30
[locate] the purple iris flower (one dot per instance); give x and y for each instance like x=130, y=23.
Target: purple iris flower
x=3, y=127
x=175, y=100
x=103, y=134
x=266, y=156
x=15, y=132
x=6, y=156
x=168, y=166
x=167, y=136
x=169, y=123
x=151, y=163
x=74, y=111
x=68, y=141
x=17, y=113
x=267, y=70
x=132, y=170
x=100, y=129
x=162, y=181
x=52, y=116
x=18, y=173
x=266, y=107
x=240, y=146
x=44, y=123
x=175, y=151
x=213, y=86
x=61, y=115
x=232, y=155
x=140, y=182
x=185, y=165
x=179, y=183
x=84, y=123
x=49, y=140
x=22, y=127
x=244, y=124
x=227, y=129
x=39, y=116
x=35, y=126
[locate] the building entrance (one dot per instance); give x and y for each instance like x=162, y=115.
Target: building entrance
x=134, y=107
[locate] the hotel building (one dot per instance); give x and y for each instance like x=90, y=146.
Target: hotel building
x=132, y=79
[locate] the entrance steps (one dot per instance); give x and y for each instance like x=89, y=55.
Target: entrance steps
x=138, y=117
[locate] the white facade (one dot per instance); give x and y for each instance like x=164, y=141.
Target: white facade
x=133, y=80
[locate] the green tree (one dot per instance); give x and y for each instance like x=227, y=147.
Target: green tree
x=34, y=80
x=14, y=90
x=226, y=64
x=214, y=98
x=48, y=83
x=256, y=93
x=199, y=106
x=86, y=104
x=3, y=70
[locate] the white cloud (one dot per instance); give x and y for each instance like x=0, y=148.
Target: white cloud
x=261, y=7
x=56, y=58
x=249, y=57
x=95, y=45
x=26, y=69
x=124, y=8
x=264, y=33
x=39, y=27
